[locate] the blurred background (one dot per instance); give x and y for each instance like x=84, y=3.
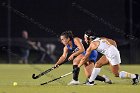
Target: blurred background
x=44, y=20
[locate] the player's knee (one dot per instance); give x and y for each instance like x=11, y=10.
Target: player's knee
x=98, y=65
x=75, y=62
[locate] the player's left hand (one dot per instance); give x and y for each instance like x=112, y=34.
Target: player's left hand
x=56, y=66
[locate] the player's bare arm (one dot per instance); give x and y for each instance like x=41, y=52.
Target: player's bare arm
x=85, y=58
x=94, y=45
x=80, y=48
x=63, y=56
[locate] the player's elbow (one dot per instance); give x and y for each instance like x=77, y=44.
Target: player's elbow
x=82, y=50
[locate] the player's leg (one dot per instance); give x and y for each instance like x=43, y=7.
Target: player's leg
x=88, y=67
x=115, y=69
x=96, y=70
x=26, y=56
x=126, y=75
x=76, y=73
x=75, y=65
x=114, y=64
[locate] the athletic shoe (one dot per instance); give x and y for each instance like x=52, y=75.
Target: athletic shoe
x=107, y=80
x=136, y=80
x=74, y=82
x=90, y=83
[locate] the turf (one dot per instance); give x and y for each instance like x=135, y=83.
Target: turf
x=21, y=74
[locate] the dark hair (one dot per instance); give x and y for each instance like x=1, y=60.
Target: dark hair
x=67, y=34
x=90, y=34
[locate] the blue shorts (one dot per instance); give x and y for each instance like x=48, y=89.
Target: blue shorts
x=93, y=55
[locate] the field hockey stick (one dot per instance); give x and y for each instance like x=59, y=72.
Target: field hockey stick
x=46, y=71
x=57, y=78
x=43, y=73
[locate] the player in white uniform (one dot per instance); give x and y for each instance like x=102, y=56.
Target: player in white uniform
x=111, y=55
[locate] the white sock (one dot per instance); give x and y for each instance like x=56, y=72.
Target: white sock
x=124, y=74
x=94, y=74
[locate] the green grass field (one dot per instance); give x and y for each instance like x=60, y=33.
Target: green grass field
x=21, y=74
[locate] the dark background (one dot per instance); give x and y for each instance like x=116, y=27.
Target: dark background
x=45, y=19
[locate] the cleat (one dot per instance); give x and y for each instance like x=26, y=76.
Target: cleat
x=74, y=82
x=107, y=80
x=90, y=83
x=136, y=80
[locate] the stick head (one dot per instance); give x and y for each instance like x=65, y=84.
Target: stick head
x=34, y=77
x=41, y=84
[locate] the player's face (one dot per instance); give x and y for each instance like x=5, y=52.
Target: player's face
x=86, y=39
x=64, y=40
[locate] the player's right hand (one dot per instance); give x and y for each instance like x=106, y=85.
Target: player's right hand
x=56, y=66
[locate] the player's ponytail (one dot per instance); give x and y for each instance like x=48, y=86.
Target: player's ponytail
x=90, y=34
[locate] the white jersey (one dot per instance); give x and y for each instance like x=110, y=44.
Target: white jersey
x=103, y=46
x=109, y=50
